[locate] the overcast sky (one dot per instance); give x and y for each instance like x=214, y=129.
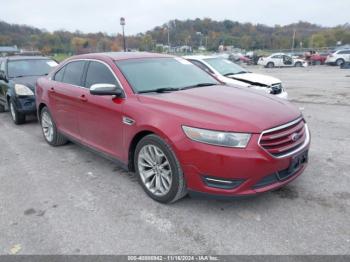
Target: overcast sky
x=142, y=15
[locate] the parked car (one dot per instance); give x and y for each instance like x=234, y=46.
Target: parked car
x=315, y=58
x=240, y=58
x=281, y=60
x=18, y=75
x=233, y=74
x=338, y=57
x=170, y=122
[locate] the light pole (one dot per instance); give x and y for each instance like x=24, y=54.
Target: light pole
x=200, y=38
x=293, y=40
x=122, y=23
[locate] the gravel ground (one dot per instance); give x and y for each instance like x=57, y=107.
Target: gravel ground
x=69, y=201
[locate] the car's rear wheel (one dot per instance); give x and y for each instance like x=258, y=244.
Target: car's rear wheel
x=270, y=65
x=340, y=61
x=298, y=64
x=50, y=132
x=158, y=170
x=17, y=117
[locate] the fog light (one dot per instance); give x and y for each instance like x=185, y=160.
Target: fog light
x=222, y=183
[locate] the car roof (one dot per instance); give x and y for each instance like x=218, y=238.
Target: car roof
x=120, y=55
x=18, y=57
x=199, y=57
x=277, y=54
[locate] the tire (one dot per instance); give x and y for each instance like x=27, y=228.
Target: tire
x=298, y=64
x=50, y=132
x=162, y=166
x=340, y=61
x=270, y=65
x=17, y=117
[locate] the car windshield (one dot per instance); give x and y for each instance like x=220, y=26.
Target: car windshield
x=163, y=74
x=225, y=67
x=30, y=67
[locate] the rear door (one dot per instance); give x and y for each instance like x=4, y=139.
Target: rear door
x=100, y=117
x=277, y=60
x=65, y=97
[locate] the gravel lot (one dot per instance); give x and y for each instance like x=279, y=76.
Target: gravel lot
x=69, y=201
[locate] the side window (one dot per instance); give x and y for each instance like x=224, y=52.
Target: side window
x=276, y=57
x=73, y=73
x=59, y=75
x=202, y=66
x=99, y=73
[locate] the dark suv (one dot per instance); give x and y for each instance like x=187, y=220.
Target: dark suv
x=18, y=75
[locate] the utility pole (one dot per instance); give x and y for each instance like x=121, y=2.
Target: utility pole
x=294, y=32
x=122, y=23
x=168, y=37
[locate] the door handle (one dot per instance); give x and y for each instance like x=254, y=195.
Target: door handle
x=83, y=98
x=52, y=90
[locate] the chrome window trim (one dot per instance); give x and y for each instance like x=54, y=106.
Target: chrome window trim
x=306, y=142
x=88, y=59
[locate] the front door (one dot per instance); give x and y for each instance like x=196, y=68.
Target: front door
x=100, y=117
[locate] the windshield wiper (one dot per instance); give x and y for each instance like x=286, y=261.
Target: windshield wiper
x=160, y=90
x=198, y=85
x=241, y=72
x=229, y=74
x=19, y=76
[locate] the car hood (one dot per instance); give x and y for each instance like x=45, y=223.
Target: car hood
x=28, y=81
x=222, y=108
x=253, y=78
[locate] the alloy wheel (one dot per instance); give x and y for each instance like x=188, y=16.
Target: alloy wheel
x=155, y=170
x=47, y=126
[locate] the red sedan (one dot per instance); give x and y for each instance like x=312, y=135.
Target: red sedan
x=174, y=125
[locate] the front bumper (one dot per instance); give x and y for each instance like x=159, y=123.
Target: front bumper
x=252, y=166
x=25, y=104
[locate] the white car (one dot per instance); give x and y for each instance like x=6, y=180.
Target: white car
x=235, y=75
x=281, y=60
x=338, y=57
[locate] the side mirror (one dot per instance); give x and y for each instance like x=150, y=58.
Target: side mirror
x=105, y=90
x=3, y=76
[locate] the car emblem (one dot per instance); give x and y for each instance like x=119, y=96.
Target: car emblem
x=295, y=137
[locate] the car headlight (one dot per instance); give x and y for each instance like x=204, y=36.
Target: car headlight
x=218, y=138
x=22, y=90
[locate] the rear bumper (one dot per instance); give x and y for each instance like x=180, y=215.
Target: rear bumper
x=25, y=104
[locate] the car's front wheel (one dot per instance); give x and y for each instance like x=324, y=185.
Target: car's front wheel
x=17, y=117
x=158, y=170
x=50, y=132
x=270, y=65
